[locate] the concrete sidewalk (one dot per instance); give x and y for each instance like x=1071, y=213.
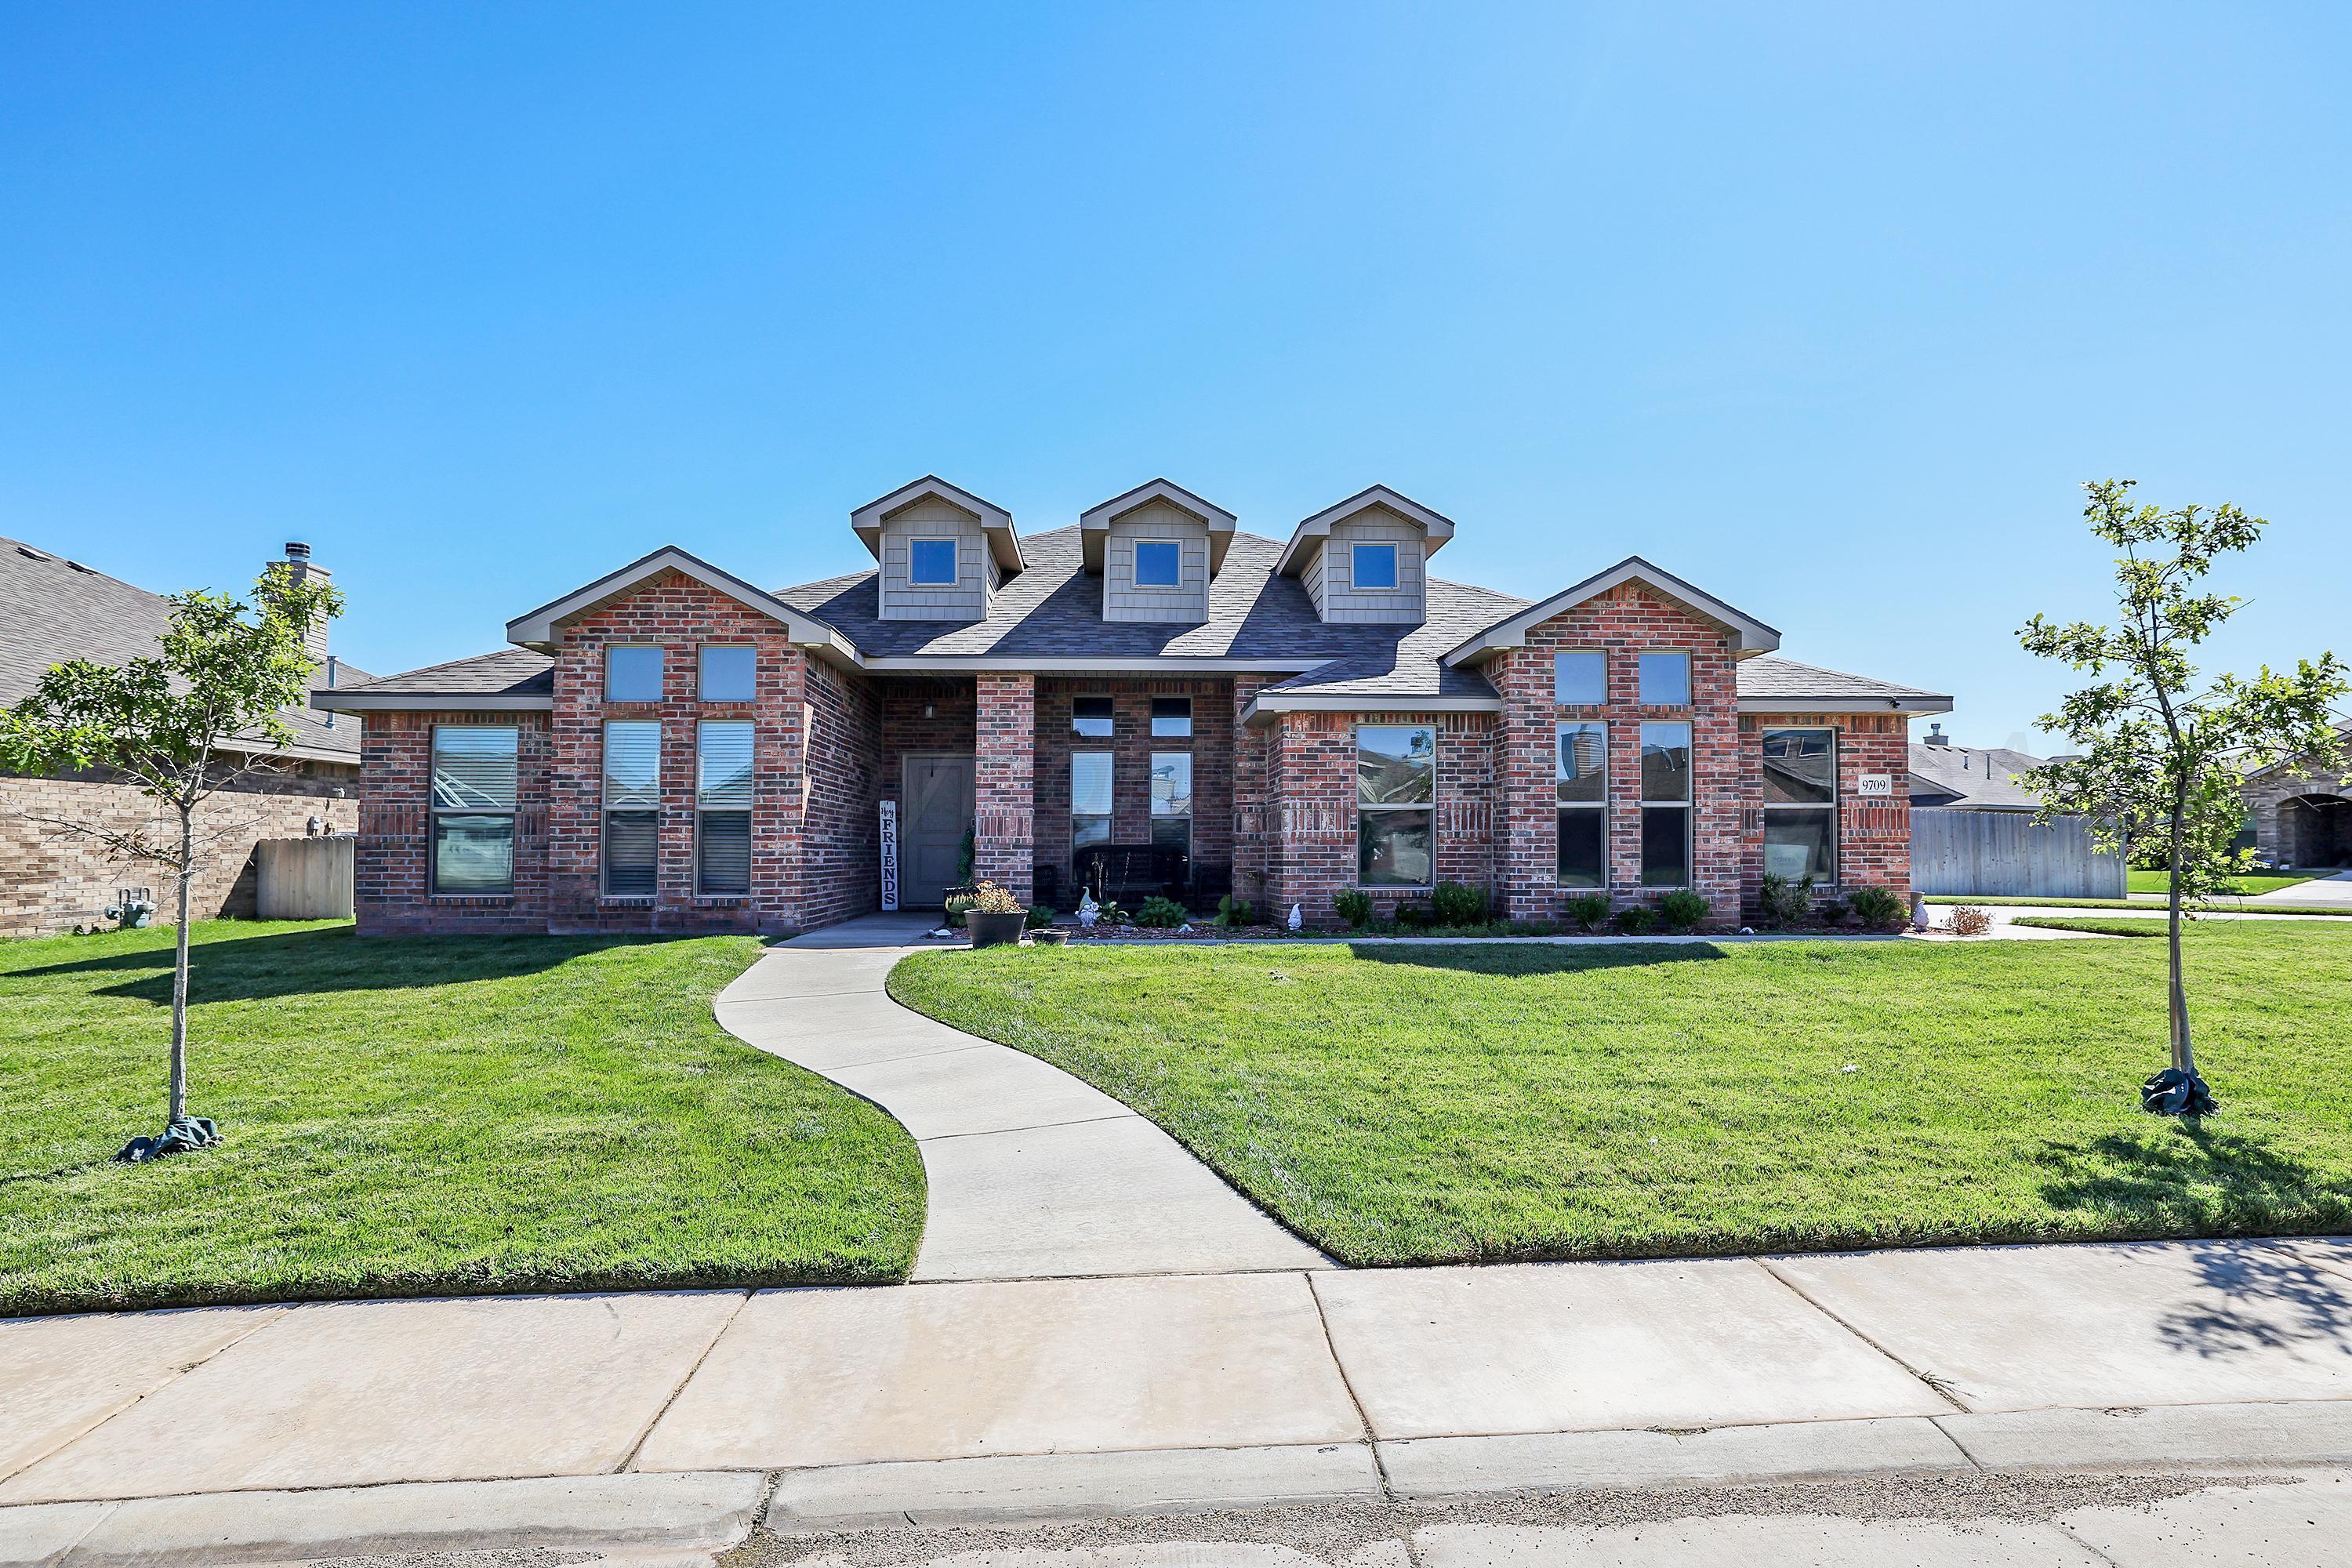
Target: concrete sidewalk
x=985, y=1399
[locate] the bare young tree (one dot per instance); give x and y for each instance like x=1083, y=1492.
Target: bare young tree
x=2163, y=756
x=179, y=726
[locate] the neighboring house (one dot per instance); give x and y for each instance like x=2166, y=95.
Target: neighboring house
x=52, y=610
x=1969, y=778
x=670, y=747
x=2301, y=814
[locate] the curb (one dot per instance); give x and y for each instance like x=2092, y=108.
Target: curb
x=702, y=1511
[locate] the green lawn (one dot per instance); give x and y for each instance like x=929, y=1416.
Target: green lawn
x=1427, y=1104
x=422, y=1115
x=2244, y=887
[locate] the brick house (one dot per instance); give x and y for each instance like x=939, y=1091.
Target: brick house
x=53, y=609
x=669, y=748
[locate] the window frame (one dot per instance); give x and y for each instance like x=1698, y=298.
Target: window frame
x=1600, y=654
x=1563, y=808
x=1356, y=549
x=661, y=669
x=955, y=554
x=702, y=670
x=1109, y=815
x=1427, y=809
x=1108, y=718
x=1175, y=549
x=1641, y=684
x=1830, y=805
x=607, y=810
x=702, y=813
x=435, y=811
x=1688, y=803
x=1160, y=734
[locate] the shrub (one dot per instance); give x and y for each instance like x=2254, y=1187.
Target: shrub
x=1457, y=904
x=1635, y=919
x=1682, y=910
x=991, y=898
x=1780, y=902
x=960, y=902
x=1589, y=911
x=1831, y=912
x=1233, y=911
x=1355, y=907
x=1041, y=916
x=1881, y=908
x=1415, y=916
x=1967, y=919
x=1159, y=911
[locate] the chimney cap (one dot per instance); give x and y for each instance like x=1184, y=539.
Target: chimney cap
x=297, y=550
x=1936, y=736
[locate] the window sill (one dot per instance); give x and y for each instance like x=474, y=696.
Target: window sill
x=629, y=900
x=469, y=897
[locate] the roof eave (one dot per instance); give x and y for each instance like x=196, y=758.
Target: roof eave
x=363, y=702
x=537, y=630
x=1266, y=706
x=1901, y=703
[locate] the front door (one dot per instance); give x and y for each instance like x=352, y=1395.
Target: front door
x=938, y=801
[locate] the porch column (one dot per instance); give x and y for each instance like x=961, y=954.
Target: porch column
x=1005, y=780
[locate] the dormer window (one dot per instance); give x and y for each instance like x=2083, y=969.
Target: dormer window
x=932, y=563
x=1158, y=563
x=1376, y=565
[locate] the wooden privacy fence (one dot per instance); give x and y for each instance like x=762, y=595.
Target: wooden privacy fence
x=1996, y=854
x=304, y=878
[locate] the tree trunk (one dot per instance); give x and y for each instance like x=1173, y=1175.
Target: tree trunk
x=180, y=972
x=2183, y=1056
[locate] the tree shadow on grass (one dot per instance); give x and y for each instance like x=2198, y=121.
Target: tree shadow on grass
x=330, y=959
x=1513, y=959
x=2191, y=1179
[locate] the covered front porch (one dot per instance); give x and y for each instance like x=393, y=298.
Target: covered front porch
x=1053, y=785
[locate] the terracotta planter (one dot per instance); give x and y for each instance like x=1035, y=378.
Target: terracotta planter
x=992, y=930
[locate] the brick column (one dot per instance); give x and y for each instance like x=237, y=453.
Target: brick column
x=1004, y=748
x=1253, y=808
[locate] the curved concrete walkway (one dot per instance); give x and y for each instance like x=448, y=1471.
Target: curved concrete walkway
x=1032, y=1173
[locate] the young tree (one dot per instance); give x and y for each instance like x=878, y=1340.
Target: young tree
x=179, y=726
x=2163, y=756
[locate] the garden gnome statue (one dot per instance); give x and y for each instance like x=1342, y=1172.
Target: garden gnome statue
x=1298, y=918
x=1089, y=911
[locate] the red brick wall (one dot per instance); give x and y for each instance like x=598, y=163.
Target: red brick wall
x=1131, y=745
x=1004, y=740
x=51, y=881
x=839, y=875
x=392, y=891
x=1253, y=809
x=1623, y=624
x=906, y=730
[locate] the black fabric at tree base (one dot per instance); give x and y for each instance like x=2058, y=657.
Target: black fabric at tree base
x=187, y=1133
x=2176, y=1093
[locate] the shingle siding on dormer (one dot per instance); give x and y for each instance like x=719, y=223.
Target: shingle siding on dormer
x=1124, y=599
x=1329, y=577
x=976, y=571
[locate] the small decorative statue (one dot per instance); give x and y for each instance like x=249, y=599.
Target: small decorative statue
x=1298, y=918
x=1089, y=911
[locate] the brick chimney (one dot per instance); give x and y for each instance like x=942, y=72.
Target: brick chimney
x=298, y=556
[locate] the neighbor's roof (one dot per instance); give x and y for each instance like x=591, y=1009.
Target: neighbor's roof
x=1050, y=617
x=53, y=610
x=1981, y=779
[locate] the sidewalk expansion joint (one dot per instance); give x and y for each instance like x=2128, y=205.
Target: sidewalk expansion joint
x=637, y=1447
x=1931, y=1379
x=1119, y=1115
x=1363, y=1416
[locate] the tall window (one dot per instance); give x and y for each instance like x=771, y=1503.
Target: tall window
x=1171, y=800
x=473, y=810
x=632, y=806
x=1089, y=798
x=632, y=674
x=1583, y=805
x=1800, y=804
x=1665, y=680
x=722, y=808
x=1580, y=679
x=1665, y=805
x=932, y=563
x=1396, y=795
x=1091, y=717
x=1375, y=566
x=1158, y=563
x=1172, y=717
x=727, y=674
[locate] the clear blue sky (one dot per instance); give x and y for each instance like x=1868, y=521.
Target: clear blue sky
x=1827, y=309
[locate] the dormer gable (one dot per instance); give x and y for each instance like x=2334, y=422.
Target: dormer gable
x=941, y=550
x=1155, y=547
x=1366, y=560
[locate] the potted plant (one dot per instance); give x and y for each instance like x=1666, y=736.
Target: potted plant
x=995, y=917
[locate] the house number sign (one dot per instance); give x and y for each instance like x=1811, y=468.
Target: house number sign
x=1880, y=785
x=890, y=855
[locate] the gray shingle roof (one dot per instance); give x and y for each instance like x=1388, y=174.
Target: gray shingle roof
x=53, y=610
x=1054, y=611
x=1982, y=778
